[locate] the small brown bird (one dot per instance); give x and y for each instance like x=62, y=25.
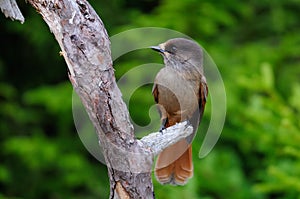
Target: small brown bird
x=180, y=90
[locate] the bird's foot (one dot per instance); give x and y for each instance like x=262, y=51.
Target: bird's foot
x=163, y=125
x=188, y=122
x=162, y=128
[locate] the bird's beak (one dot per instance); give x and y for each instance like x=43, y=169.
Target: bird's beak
x=158, y=49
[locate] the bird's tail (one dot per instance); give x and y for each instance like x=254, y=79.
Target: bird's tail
x=174, y=165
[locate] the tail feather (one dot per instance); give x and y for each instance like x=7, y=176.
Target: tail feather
x=174, y=165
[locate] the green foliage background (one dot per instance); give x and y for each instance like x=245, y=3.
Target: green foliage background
x=256, y=46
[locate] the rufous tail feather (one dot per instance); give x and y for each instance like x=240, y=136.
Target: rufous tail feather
x=174, y=165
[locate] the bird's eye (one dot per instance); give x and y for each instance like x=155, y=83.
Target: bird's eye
x=171, y=49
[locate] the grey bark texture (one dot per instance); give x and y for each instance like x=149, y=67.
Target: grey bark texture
x=85, y=47
x=10, y=9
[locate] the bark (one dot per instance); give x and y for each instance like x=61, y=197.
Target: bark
x=85, y=46
x=10, y=9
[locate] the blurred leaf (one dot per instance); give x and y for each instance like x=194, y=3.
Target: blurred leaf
x=54, y=98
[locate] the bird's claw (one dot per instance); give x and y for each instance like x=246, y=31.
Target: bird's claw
x=162, y=128
x=188, y=122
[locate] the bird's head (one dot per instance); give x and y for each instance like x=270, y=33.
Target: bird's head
x=180, y=53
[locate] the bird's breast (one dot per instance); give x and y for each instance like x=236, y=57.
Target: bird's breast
x=176, y=93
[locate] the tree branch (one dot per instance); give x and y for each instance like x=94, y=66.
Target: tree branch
x=157, y=142
x=10, y=9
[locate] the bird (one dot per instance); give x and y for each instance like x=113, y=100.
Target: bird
x=180, y=92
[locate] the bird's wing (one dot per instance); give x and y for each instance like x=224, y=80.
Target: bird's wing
x=197, y=115
x=155, y=92
x=203, y=92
